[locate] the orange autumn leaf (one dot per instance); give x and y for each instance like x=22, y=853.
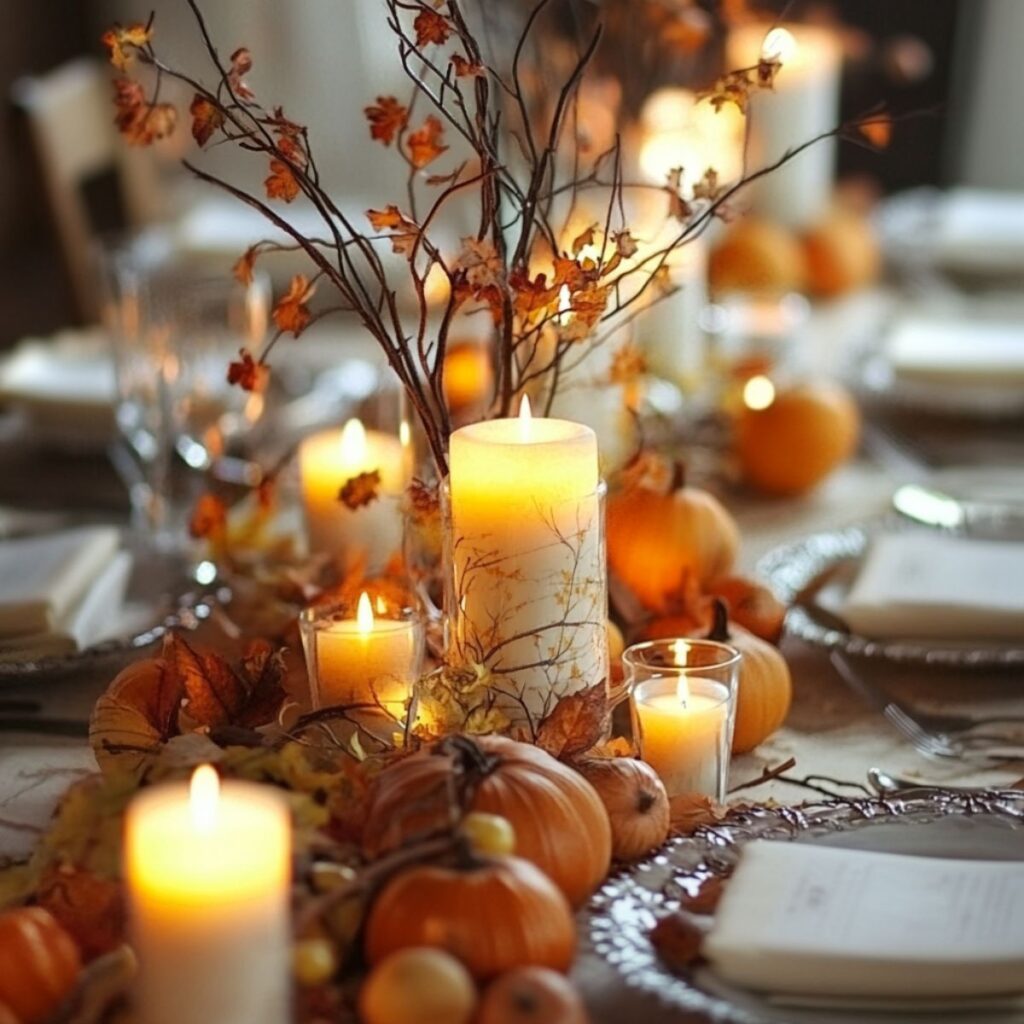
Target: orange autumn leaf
x=582, y=240
x=243, y=269
x=121, y=43
x=138, y=120
x=403, y=232
x=291, y=314
x=90, y=908
x=531, y=295
x=241, y=65
x=248, y=373
x=424, y=144
x=387, y=117
x=359, y=490
x=209, y=518
x=481, y=263
x=281, y=183
x=625, y=244
x=207, y=118
x=691, y=811
x=877, y=130
x=466, y=68
x=628, y=364
x=431, y=27
x=576, y=723
x=589, y=303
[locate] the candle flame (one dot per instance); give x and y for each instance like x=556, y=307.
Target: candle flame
x=758, y=393
x=683, y=691
x=680, y=651
x=779, y=45
x=364, y=614
x=525, y=418
x=564, y=305
x=404, y=434
x=381, y=608
x=203, y=797
x=353, y=442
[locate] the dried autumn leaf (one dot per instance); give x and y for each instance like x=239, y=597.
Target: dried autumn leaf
x=877, y=130
x=209, y=519
x=122, y=42
x=678, y=207
x=138, y=120
x=628, y=364
x=706, y=897
x=291, y=314
x=90, y=908
x=207, y=118
x=531, y=295
x=465, y=68
x=241, y=65
x=281, y=183
x=431, y=27
x=404, y=233
x=424, y=144
x=690, y=811
x=263, y=670
x=576, y=723
x=248, y=373
x=589, y=304
x=582, y=240
x=243, y=268
x=625, y=244
x=360, y=490
x=708, y=186
x=677, y=938
x=481, y=263
x=387, y=118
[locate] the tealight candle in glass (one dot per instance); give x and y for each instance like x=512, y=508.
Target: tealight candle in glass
x=684, y=693
x=365, y=659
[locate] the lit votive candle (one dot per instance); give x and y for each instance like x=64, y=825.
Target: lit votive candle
x=368, y=535
x=208, y=868
x=684, y=703
x=370, y=660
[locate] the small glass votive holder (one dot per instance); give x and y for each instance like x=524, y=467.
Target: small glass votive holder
x=684, y=699
x=363, y=661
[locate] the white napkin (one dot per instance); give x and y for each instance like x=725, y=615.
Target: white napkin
x=65, y=385
x=929, y=584
x=96, y=617
x=43, y=578
x=981, y=229
x=958, y=351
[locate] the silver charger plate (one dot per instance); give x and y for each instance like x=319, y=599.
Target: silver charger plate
x=161, y=596
x=616, y=923
x=812, y=574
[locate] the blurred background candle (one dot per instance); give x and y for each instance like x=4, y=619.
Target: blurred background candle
x=684, y=695
x=803, y=103
x=527, y=593
x=366, y=536
x=371, y=658
x=208, y=868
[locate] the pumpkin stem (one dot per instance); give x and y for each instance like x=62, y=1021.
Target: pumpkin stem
x=720, y=622
x=678, y=476
x=645, y=800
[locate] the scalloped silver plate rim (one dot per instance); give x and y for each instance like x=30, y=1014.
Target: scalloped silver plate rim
x=790, y=568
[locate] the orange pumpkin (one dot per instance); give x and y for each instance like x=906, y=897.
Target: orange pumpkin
x=418, y=986
x=39, y=964
x=757, y=256
x=502, y=914
x=842, y=254
x=792, y=444
x=657, y=543
x=559, y=821
x=531, y=995
x=635, y=800
x=751, y=606
x=765, y=688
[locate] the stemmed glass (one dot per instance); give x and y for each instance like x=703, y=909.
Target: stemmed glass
x=175, y=328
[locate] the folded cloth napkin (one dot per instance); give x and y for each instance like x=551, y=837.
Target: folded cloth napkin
x=980, y=229
x=929, y=584
x=43, y=578
x=95, y=618
x=957, y=351
x=65, y=385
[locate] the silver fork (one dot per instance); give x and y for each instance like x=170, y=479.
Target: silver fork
x=936, y=745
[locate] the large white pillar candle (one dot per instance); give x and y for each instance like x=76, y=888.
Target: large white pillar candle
x=528, y=597
x=803, y=103
x=366, y=536
x=208, y=868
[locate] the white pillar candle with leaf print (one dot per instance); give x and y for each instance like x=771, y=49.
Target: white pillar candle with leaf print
x=366, y=530
x=527, y=589
x=802, y=104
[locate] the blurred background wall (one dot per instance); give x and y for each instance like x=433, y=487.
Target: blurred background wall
x=324, y=59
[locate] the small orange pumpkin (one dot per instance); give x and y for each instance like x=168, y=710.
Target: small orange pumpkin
x=502, y=914
x=657, y=543
x=531, y=995
x=559, y=821
x=765, y=687
x=636, y=802
x=757, y=256
x=39, y=964
x=791, y=445
x=842, y=254
x=751, y=606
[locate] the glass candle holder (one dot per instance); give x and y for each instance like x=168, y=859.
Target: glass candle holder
x=684, y=697
x=363, y=660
